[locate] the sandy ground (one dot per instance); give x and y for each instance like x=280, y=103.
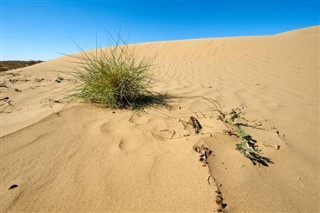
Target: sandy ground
x=76, y=157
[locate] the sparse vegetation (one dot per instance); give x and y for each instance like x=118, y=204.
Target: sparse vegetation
x=10, y=65
x=115, y=77
x=247, y=145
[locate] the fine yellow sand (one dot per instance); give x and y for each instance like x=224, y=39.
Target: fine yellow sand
x=76, y=157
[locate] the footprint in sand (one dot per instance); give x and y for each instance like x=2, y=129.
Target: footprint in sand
x=127, y=145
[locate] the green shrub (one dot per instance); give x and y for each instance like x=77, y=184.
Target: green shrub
x=114, y=77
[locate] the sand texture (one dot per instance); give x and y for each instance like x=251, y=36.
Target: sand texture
x=62, y=156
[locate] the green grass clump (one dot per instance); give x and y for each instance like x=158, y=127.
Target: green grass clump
x=114, y=77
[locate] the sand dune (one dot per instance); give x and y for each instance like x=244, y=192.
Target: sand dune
x=69, y=156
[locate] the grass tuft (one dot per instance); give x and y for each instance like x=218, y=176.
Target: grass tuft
x=115, y=77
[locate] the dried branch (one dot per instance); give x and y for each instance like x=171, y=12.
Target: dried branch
x=196, y=124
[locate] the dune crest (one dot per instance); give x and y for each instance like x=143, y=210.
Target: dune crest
x=314, y=30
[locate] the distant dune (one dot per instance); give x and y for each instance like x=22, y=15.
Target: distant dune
x=64, y=156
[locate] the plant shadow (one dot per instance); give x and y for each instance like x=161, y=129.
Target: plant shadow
x=152, y=100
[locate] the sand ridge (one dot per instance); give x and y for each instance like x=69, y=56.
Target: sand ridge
x=77, y=157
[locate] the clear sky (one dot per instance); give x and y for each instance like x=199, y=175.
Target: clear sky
x=41, y=29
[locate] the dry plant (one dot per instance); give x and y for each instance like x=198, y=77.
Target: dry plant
x=247, y=145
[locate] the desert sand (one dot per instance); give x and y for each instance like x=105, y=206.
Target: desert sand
x=59, y=155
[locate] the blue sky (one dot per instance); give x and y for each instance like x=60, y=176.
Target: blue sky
x=38, y=29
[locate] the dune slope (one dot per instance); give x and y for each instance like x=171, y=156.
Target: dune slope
x=77, y=157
